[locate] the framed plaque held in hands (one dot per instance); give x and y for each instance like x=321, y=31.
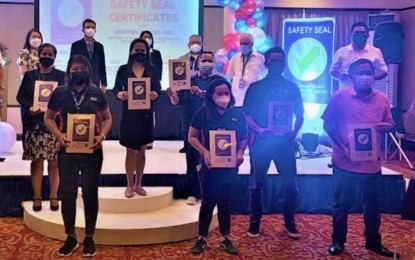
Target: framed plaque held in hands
x=280, y=117
x=139, y=93
x=179, y=74
x=363, y=142
x=80, y=132
x=43, y=92
x=222, y=147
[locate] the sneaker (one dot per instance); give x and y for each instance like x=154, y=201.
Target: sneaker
x=227, y=245
x=199, y=246
x=293, y=233
x=89, y=247
x=191, y=200
x=253, y=230
x=69, y=247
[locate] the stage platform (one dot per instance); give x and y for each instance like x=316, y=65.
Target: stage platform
x=165, y=166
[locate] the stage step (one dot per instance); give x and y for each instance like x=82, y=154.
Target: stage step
x=113, y=200
x=176, y=222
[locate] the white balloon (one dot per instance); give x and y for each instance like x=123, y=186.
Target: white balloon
x=221, y=56
x=7, y=137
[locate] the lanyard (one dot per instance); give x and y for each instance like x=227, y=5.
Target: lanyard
x=78, y=103
x=244, y=63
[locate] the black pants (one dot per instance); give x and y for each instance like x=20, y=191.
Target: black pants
x=217, y=186
x=192, y=176
x=347, y=186
x=89, y=165
x=280, y=151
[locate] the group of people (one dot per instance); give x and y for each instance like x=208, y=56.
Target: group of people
x=238, y=102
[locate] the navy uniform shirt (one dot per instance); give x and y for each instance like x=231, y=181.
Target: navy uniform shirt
x=62, y=101
x=262, y=92
x=232, y=119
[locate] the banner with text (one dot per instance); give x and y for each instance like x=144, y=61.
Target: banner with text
x=308, y=44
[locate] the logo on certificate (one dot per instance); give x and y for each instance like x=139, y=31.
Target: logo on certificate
x=179, y=69
x=139, y=92
x=363, y=139
x=280, y=115
x=223, y=145
x=81, y=130
x=44, y=92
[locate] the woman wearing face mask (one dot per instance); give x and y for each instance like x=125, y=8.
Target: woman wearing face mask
x=78, y=96
x=156, y=62
x=40, y=144
x=136, y=129
x=28, y=58
x=217, y=113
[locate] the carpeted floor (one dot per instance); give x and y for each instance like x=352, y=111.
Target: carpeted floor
x=19, y=242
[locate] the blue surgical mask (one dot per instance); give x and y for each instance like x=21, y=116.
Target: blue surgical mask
x=206, y=67
x=245, y=49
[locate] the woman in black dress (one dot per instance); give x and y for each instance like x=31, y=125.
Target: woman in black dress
x=136, y=129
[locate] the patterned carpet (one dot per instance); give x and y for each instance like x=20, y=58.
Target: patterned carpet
x=19, y=242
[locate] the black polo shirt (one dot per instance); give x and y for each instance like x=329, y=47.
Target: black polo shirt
x=260, y=93
x=232, y=119
x=62, y=101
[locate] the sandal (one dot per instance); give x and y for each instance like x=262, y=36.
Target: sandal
x=37, y=207
x=54, y=207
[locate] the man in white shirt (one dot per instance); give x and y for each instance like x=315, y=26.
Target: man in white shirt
x=195, y=48
x=245, y=67
x=358, y=49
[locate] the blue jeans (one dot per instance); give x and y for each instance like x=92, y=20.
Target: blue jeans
x=348, y=184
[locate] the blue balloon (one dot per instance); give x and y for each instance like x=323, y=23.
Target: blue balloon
x=231, y=53
x=267, y=44
x=260, y=18
x=234, y=5
x=240, y=25
x=223, y=2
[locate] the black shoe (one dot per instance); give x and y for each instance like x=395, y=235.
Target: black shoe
x=199, y=246
x=336, y=249
x=381, y=250
x=2, y=159
x=330, y=165
x=37, y=207
x=183, y=150
x=54, y=207
x=293, y=233
x=228, y=246
x=253, y=230
x=69, y=247
x=89, y=247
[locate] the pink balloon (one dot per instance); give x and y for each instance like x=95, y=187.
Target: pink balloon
x=259, y=5
x=251, y=22
x=228, y=41
x=248, y=7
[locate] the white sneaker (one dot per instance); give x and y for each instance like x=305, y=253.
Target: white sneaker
x=191, y=200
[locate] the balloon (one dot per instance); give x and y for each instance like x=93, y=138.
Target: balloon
x=257, y=33
x=266, y=44
x=240, y=15
x=225, y=68
x=7, y=137
x=223, y=2
x=260, y=18
x=259, y=5
x=231, y=53
x=234, y=5
x=230, y=41
x=240, y=25
x=248, y=7
x=221, y=56
x=251, y=23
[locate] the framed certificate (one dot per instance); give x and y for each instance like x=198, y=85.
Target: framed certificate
x=179, y=74
x=80, y=131
x=363, y=142
x=139, y=93
x=43, y=92
x=222, y=147
x=280, y=117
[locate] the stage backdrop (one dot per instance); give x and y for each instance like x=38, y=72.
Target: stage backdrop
x=308, y=45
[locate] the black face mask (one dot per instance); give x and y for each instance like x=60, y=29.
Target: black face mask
x=46, y=62
x=139, y=57
x=276, y=68
x=80, y=78
x=359, y=40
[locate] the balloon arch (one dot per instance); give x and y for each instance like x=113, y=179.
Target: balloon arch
x=249, y=18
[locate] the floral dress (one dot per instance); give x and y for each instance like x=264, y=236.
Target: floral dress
x=30, y=58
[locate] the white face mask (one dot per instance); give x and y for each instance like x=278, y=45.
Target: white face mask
x=90, y=32
x=195, y=48
x=223, y=101
x=149, y=41
x=35, y=42
x=206, y=66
